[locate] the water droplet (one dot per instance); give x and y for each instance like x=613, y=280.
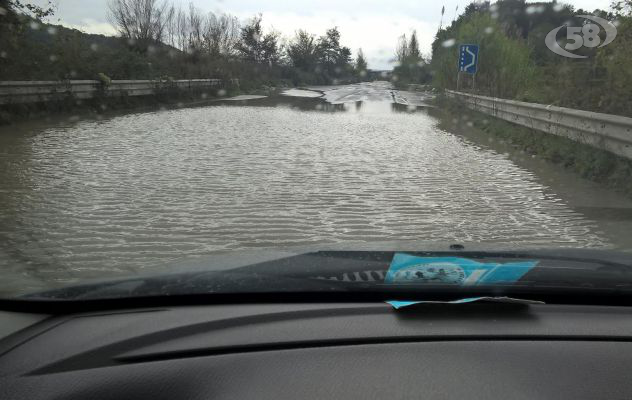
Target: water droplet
x=180, y=104
x=558, y=7
x=3, y=54
x=363, y=73
x=51, y=30
x=394, y=78
x=204, y=95
x=489, y=30
x=34, y=25
x=221, y=92
x=319, y=107
x=103, y=107
x=53, y=57
x=411, y=108
x=94, y=47
x=3, y=11
x=448, y=43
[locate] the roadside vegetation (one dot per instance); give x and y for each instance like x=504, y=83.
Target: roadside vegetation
x=159, y=40
x=591, y=163
x=516, y=64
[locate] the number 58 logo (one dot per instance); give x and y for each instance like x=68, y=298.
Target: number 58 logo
x=584, y=36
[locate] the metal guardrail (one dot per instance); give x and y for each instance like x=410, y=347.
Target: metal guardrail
x=20, y=92
x=605, y=131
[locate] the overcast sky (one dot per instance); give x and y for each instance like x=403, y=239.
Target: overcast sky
x=373, y=25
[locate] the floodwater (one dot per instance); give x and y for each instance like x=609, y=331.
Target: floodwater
x=87, y=198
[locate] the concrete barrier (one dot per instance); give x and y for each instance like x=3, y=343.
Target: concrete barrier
x=612, y=133
x=20, y=92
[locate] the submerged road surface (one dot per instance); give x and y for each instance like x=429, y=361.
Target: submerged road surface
x=86, y=198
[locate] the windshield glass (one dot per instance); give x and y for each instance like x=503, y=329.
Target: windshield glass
x=252, y=146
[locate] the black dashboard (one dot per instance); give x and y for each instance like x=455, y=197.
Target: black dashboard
x=321, y=351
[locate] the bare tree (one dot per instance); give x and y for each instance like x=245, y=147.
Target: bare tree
x=222, y=34
x=402, y=49
x=143, y=21
x=196, y=27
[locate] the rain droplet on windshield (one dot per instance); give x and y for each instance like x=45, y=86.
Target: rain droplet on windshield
x=448, y=43
x=51, y=30
x=94, y=47
x=34, y=25
x=489, y=30
x=3, y=11
x=221, y=92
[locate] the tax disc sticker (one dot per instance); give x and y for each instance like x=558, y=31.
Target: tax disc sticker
x=409, y=269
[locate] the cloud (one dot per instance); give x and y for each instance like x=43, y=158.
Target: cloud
x=92, y=26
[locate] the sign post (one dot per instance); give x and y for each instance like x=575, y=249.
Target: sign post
x=468, y=61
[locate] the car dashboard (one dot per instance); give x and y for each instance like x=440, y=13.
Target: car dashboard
x=321, y=350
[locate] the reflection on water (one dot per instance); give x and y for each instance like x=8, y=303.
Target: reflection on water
x=128, y=193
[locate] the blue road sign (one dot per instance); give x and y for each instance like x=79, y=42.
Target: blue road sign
x=468, y=58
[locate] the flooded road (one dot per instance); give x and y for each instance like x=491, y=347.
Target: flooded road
x=104, y=198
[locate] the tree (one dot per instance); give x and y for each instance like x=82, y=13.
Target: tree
x=329, y=46
x=256, y=47
x=143, y=22
x=413, y=49
x=302, y=51
x=221, y=34
x=27, y=8
x=333, y=58
x=401, y=51
x=412, y=67
x=361, y=65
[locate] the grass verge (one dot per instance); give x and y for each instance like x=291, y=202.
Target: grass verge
x=597, y=165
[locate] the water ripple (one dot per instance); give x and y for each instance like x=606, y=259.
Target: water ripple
x=134, y=191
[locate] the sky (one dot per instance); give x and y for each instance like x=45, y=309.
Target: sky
x=373, y=25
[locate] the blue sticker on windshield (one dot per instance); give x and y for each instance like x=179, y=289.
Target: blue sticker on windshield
x=406, y=268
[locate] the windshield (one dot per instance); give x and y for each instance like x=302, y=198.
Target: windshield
x=247, y=139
